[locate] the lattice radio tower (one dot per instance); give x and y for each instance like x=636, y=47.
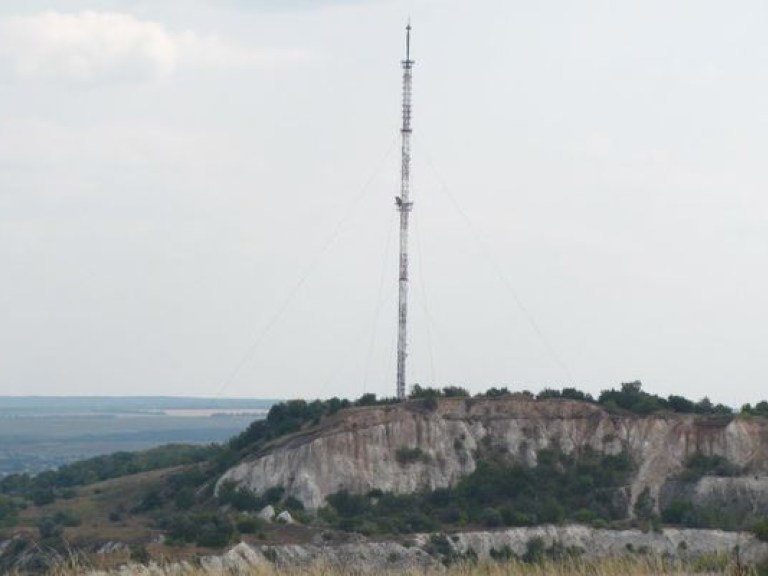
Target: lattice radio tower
x=404, y=206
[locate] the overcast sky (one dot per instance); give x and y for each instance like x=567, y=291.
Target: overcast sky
x=196, y=196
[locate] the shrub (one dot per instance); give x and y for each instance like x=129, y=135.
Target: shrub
x=455, y=391
x=760, y=529
x=644, y=505
x=416, y=522
x=535, y=550
x=151, y=501
x=216, y=533
x=270, y=554
x=512, y=517
x=451, y=514
x=631, y=397
x=302, y=516
x=491, y=517
x=67, y=518
x=502, y=554
x=43, y=497
x=760, y=409
x=273, y=495
x=679, y=512
x=681, y=404
x=140, y=554
x=439, y=545
x=9, y=511
x=204, y=529
x=419, y=392
x=699, y=465
x=244, y=500
x=293, y=504
x=250, y=524
x=347, y=505
x=405, y=455
x=49, y=528
x=585, y=516
x=185, y=498
x=328, y=515
x=366, y=400
x=551, y=511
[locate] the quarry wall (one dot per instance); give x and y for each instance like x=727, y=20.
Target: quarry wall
x=357, y=449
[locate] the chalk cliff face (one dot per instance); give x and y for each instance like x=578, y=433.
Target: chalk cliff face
x=356, y=449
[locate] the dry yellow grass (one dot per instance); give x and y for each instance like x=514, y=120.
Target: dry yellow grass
x=627, y=566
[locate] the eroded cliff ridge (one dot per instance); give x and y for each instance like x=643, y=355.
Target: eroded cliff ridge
x=357, y=449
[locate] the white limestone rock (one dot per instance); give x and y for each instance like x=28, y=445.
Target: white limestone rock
x=267, y=513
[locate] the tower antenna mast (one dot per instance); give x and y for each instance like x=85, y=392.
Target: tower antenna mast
x=404, y=206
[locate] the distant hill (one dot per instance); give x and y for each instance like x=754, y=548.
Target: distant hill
x=42, y=433
x=61, y=405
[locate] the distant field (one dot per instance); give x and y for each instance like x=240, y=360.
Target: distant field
x=41, y=433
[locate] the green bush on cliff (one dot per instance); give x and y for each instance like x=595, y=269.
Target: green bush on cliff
x=685, y=513
x=760, y=409
x=699, y=465
x=631, y=397
x=679, y=512
x=760, y=529
x=566, y=393
x=239, y=498
x=293, y=415
x=405, y=455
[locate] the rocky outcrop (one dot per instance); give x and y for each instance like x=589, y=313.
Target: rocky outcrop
x=357, y=449
x=602, y=543
x=377, y=557
x=367, y=557
x=741, y=497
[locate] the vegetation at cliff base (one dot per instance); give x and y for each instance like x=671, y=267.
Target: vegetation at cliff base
x=500, y=492
x=760, y=529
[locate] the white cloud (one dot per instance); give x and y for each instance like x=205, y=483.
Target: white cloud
x=97, y=46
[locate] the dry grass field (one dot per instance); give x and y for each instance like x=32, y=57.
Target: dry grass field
x=92, y=505
x=627, y=566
